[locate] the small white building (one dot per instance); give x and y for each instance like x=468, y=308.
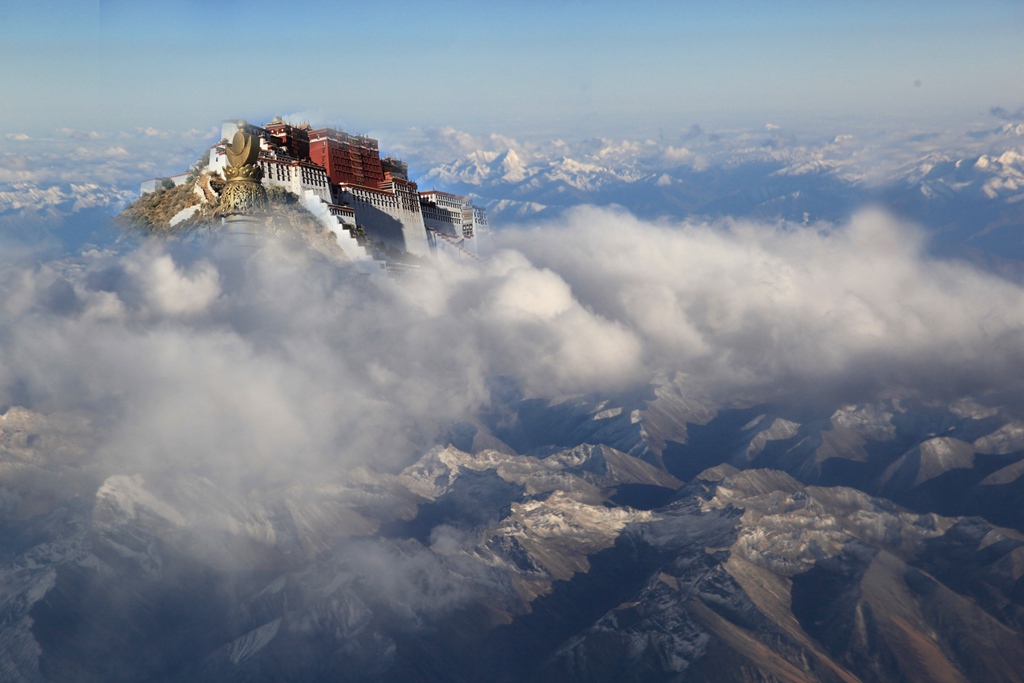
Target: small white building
x=154, y=184
x=452, y=221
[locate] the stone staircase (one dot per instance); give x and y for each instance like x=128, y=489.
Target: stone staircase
x=455, y=241
x=313, y=203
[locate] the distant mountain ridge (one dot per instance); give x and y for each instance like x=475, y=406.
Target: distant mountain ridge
x=964, y=184
x=965, y=197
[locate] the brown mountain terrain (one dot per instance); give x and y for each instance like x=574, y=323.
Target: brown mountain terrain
x=568, y=562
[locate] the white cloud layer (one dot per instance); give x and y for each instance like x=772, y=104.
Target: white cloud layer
x=263, y=368
x=779, y=309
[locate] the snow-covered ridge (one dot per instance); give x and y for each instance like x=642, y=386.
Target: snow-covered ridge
x=768, y=173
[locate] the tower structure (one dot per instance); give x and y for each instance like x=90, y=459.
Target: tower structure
x=294, y=140
x=243, y=195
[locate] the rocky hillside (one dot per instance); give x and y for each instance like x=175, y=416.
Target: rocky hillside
x=194, y=206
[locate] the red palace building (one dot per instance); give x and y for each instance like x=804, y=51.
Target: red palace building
x=348, y=159
x=294, y=139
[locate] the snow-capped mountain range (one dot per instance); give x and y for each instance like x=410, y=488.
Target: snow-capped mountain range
x=965, y=184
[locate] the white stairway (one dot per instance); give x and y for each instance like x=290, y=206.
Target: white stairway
x=313, y=203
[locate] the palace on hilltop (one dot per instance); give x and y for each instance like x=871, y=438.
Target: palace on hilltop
x=367, y=201
x=343, y=176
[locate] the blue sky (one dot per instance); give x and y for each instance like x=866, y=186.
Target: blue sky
x=516, y=67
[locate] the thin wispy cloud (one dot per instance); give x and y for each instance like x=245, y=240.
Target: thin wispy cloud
x=1007, y=114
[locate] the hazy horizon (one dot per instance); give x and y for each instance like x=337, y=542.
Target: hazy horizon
x=557, y=67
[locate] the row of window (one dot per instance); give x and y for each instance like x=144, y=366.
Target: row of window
x=440, y=214
x=283, y=173
x=374, y=198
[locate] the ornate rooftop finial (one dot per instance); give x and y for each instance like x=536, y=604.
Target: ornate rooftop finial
x=244, y=193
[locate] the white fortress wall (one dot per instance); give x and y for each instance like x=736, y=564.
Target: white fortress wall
x=386, y=218
x=297, y=178
x=453, y=217
x=442, y=219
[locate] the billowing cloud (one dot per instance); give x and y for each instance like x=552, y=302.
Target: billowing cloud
x=270, y=366
x=677, y=154
x=780, y=310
